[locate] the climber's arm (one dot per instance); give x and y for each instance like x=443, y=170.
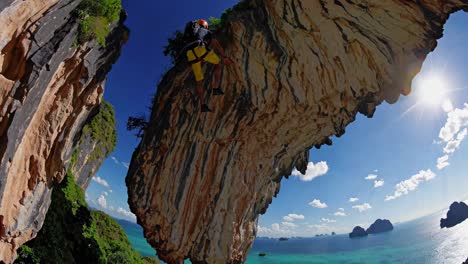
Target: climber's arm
x=215, y=44
x=218, y=47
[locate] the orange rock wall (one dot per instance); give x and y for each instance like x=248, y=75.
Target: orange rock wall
x=303, y=70
x=48, y=88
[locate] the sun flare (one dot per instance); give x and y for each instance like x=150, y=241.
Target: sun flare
x=432, y=90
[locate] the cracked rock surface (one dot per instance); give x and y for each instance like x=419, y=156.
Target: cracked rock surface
x=48, y=89
x=303, y=70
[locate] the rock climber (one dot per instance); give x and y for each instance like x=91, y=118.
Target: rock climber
x=199, y=51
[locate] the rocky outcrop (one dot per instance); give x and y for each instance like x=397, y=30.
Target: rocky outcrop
x=96, y=142
x=457, y=213
x=302, y=72
x=49, y=86
x=358, y=232
x=380, y=226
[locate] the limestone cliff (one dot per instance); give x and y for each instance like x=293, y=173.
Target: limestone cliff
x=49, y=85
x=303, y=70
x=96, y=141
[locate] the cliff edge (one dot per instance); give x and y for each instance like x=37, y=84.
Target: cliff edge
x=52, y=77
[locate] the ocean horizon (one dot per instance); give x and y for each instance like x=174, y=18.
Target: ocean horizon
x=416, y=241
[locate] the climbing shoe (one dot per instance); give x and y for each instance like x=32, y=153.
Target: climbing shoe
x=205, y=108
x=218, y=91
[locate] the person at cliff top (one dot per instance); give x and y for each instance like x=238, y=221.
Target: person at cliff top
x=198, y=52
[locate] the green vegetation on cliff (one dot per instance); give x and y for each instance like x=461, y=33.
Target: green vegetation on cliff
x=96, y=17
x=73, y=234
x=97, y=141
x=102, y=129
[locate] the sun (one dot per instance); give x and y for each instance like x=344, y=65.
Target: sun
x=432, y=90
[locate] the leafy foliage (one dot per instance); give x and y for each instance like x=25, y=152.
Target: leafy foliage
x=112, y=240
x=61, y=238
x=175, y=44
x=74, y=195
x=27, y=256
x=73, y=234
x=137, y=123
x=95, y=18
x=102, y=129
x=215, y=23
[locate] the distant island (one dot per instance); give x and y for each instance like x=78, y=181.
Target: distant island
x=457, y=213
x=283, y=239
x=380, y=226
x=358, y=232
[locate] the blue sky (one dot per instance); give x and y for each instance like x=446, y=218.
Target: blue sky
x=401, y=144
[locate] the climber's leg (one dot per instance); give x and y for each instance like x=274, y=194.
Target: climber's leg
x=212, y=58
x=216, y=81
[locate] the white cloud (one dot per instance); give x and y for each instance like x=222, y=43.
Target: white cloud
x=319, y=229
x=442, y=162
x=411, y=184
x=339, y=213
x=313, y=171
x=454, y=144
x=289, y=224
x=371, y=177
x=116, y=161
x=326, y=220
x=277, y=230
x=378, y=183
x=318, y=204
x=110, y=191
x=100, y=181
x=457, y=119
x=105, y=193
x=275, y=227
x=362, y=207
x=292, y=217
x=447, y=106
x=126, y=213
x=111, y=208
x=102, y=201
x=353, y=199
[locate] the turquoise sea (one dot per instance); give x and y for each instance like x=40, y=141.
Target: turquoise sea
x=417, y=241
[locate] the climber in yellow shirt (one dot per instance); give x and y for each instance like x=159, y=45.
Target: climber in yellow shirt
x=200, y=51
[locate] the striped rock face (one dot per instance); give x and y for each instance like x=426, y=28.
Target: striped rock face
x=48, y=89
x=303, y=70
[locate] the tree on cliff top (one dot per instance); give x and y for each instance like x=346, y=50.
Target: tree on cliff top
x=95, y=18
